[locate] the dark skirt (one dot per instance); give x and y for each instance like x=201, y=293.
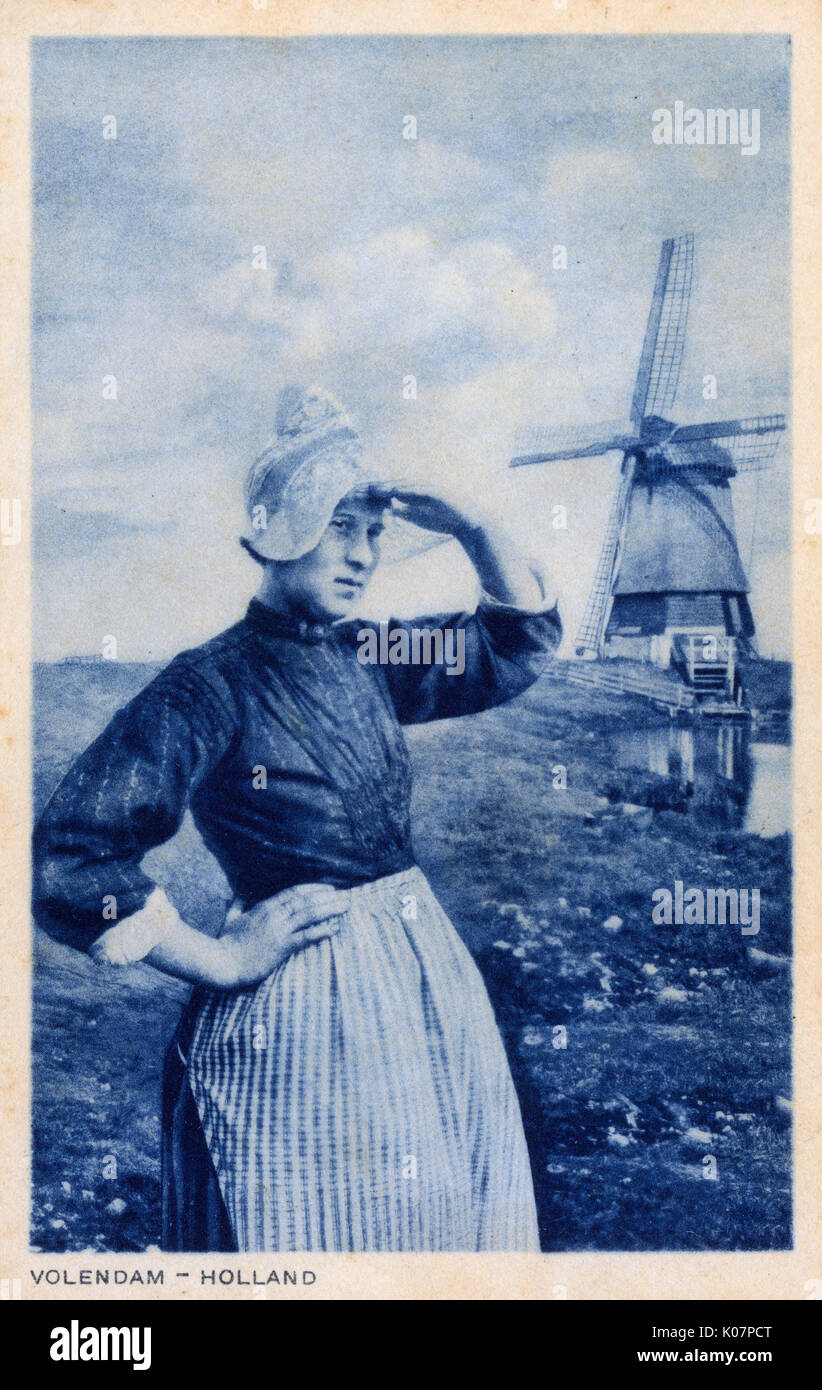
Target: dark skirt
x=194, y=1214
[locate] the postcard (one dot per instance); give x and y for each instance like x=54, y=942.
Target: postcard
x=410, y=535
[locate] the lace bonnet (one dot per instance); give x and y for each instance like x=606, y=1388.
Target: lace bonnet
x=313, y=460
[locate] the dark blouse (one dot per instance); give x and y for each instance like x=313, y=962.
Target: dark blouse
x=287, y=749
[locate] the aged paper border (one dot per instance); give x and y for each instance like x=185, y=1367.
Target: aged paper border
x=791, y=1275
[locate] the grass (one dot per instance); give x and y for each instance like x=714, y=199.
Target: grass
x=652, y=1062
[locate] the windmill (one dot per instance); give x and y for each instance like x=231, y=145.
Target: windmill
x=669, y=585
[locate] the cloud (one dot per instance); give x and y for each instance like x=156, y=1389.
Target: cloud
x=397, y=289
x=386, y=257
x=60, y=530
x=608, y=173
x=427, y=172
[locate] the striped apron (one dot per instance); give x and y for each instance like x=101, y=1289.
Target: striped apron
x=359, y=1098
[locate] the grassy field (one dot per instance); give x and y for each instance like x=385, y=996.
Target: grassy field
x=652, y=1062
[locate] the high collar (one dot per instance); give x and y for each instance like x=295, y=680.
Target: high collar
x=274, y=624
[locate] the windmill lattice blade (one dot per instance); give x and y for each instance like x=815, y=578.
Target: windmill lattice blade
x=659, y=364
x=591, y=628
x=751, y=443
x=545, y=445
x=719, y=429
x=750, y=454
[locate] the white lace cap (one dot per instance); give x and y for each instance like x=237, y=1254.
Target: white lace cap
x=314, y=459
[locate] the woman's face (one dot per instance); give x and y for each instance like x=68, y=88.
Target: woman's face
x=327, y=582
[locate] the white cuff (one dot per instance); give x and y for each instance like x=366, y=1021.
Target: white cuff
x=545, y=605
x=133, y=938
x=542, y=603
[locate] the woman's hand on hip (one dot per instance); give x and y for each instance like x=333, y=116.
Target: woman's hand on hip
x=258, y=941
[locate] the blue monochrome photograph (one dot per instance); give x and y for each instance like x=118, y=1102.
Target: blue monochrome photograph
x=411, y=858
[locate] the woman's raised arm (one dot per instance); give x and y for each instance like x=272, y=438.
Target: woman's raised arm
x=504, y=573
x=451, y=664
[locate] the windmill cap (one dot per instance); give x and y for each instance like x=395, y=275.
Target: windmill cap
x=313, y=460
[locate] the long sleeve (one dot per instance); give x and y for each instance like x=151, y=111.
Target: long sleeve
x=487, y=657
x=126, y=793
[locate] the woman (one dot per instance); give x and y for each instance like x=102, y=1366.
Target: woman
x=337, y=1081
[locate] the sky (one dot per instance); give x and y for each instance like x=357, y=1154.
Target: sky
x=386, y=258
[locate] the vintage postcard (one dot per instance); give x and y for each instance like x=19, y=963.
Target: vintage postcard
x=410, y=534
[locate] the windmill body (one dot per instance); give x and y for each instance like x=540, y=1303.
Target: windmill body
x=669, y=586
x=680, y=592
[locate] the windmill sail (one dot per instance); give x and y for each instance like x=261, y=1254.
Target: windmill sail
x=659, y=364
x=571, y=442
x=751, y=443
x=593, y=622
